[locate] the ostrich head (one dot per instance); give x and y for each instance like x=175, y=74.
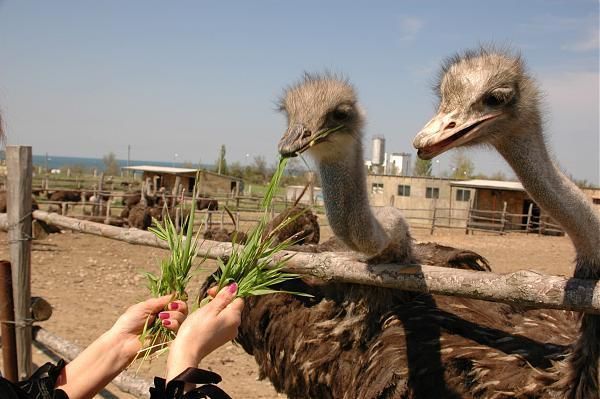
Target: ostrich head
x=320, y=109
x=485, y=97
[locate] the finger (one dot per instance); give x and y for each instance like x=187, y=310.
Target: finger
x=236, y=306
x=171, y=324
x=155, y=305
x=172, y=315
x=179, y=306
x=212, y=292
x=223, y=298
x=233, y=311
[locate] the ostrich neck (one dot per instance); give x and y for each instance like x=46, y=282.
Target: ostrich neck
x=347, y=203
x=557, y=195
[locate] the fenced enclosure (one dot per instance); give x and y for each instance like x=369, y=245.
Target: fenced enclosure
x=524, y=288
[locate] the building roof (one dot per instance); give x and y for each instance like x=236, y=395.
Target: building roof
x=160, y=169
x=174, y=171
x=490, y=184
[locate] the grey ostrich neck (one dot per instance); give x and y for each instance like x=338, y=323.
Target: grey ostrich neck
x=556, y=194
x=347, y=202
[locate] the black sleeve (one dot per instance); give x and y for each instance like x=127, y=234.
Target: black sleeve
x=39, y=386
x=174, y=389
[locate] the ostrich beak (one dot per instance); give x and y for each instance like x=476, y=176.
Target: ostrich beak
x=446, y=131
x=298, y=139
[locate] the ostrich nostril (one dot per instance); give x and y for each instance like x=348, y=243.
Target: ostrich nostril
x=451, y=125
x=306, y=134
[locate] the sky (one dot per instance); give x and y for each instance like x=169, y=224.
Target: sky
x=176, y=80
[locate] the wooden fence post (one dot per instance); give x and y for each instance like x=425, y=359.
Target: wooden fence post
x=107, y=219
x=18, y=162
x=7, y=328
x=503, y=218
x=529, y=215
x=433, y=220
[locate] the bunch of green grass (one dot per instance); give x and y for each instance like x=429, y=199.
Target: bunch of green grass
x=175, y=274
x=251, y=266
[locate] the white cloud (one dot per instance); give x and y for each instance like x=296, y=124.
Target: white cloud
x=588, y=43
x=409, y=28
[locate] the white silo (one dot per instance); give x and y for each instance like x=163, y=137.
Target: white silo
x=378, y=151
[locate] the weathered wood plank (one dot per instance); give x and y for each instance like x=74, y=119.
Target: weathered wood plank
x=18, y=162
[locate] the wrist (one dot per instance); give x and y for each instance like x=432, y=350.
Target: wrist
x=124, y=346
x=181, y=356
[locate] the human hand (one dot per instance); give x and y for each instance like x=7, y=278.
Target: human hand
x=205, y=330
x=131, y=323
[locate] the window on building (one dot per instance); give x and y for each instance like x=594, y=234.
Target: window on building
x=432, y=192
x=403, y=190
x=463, y=195
x=377, y=188
x=596, y=201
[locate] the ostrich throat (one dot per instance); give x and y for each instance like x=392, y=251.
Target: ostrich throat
x=347, y=203
x=555, y=194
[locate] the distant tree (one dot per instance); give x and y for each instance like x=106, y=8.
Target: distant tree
x=221, y=166
x=111, y=165
x=462, y=166
x=260, y=167
x=423, y=167
x=236, y=170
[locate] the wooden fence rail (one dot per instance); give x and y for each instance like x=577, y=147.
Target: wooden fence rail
x=525, y=288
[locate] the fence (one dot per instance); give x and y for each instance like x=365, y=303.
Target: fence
x=472, y=220
x=523, y=287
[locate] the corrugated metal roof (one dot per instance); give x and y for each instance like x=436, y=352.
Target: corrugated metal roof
x=160, y=169
x=174, y=171
x=491, y=184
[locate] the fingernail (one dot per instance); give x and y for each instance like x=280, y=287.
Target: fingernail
x=163, y=315
x=166, y=322
x=232, y=288
x=173, y=306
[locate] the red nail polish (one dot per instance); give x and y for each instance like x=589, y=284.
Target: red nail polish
x=163, y=315
x=233, y=288
x=174, y=306
x=166, y=322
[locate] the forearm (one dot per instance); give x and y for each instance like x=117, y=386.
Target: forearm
x=95, y=367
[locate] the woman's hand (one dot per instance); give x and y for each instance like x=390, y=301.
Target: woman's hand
x=130, y=325
x=205, y=330
x=108, y=355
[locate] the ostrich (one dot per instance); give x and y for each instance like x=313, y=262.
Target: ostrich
x=353, y=341
x=487, y=97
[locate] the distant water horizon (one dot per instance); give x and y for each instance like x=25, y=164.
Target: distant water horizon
x=61, y=162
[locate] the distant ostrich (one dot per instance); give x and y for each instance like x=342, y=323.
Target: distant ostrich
x=487, y=97
x=4, y=204
x=62, y=196
x=210, y=204
x=353, y=341
x=297, y=223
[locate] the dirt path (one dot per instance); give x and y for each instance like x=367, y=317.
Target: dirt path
x=90, y=280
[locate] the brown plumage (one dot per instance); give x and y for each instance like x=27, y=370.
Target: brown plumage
x=222, y=235
x=302, y=227
x=139, y=217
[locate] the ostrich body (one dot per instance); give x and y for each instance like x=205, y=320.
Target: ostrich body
x=353, y=341
x=487, y=97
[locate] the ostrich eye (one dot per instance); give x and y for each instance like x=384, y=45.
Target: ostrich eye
x=498, y=97
x=340, y=114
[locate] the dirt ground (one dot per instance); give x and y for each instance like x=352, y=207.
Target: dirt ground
x=90, y=280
